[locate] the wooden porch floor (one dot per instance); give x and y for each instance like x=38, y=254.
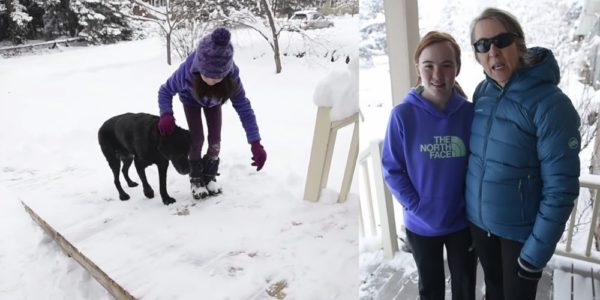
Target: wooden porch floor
x=574, y=284
x=390, y=284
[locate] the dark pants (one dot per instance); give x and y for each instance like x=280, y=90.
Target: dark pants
x=213, y=122
x=428, y=253
x=498, y=257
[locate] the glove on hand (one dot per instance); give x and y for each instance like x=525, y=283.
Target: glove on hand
x=166, y=124
x=527, y=271
x=259, y=156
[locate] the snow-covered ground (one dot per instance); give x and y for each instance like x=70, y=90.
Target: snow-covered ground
x=258, y=234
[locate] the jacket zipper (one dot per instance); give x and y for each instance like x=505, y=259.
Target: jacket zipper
x=520, y=190
x=489, y=128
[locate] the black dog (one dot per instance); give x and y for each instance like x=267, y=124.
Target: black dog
x=135, y=138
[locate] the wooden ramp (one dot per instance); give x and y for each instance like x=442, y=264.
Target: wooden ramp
x=239, y=245
x=69, y=249
x=129, y=274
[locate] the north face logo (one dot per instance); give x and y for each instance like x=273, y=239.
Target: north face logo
x=444, y=147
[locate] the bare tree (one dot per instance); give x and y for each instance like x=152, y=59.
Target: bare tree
x=275, y=34
x=163, y=16
x=246, y=19
x=174, y=15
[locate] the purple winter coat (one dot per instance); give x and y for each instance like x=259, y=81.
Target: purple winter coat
x=181, y=83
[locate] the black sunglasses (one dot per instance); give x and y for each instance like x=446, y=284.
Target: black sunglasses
x=502, y=40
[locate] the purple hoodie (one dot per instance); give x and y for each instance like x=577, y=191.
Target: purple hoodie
x=180, y=83
x=424, y=159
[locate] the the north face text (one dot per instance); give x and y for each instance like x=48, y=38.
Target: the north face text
x=444, y=147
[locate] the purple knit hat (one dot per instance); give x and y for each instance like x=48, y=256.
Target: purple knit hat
x=214, y=54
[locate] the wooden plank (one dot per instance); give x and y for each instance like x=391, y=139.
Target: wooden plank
x=561, y=281
x=582, y=286
x=40, y=44
x=328, y=156
x=369, y=199
x=385, y=205
x=344, y=122
x=108, y=283
x=596, y=209
x=312, y=188
x=350, y=163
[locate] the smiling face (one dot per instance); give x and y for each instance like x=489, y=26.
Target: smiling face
x=499, y=64
x=437, y=68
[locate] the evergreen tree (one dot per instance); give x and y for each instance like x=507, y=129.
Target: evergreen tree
x=36, y=11
x=59, y=19
x=103, y=21
x=4, y=17
x=16, y=21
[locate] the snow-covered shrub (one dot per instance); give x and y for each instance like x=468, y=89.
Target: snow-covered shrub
x=185, y=38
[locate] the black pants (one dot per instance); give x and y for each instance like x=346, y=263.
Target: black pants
x=428, y=253
x=498, y=257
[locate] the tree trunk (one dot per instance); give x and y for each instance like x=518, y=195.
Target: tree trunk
x=168, y=35
x=275, y=45
x=327, y=6
x=170, y=29
x=595, y=169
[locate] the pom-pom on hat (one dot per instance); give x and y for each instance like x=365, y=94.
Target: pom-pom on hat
x=214, y=54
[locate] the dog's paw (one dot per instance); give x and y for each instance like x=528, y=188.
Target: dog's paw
x=169, y=200
x=124, y=197
x=149, y=193
x=132, y=184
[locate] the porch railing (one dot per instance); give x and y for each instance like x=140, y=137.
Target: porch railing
x=377, y=199
x=591, y=182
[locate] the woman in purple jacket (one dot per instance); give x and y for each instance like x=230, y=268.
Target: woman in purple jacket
x=424, y=159
x=204, y=81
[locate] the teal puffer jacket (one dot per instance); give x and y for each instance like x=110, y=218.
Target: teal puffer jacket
x=523, y=173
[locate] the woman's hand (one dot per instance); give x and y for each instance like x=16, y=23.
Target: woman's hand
x=259, y=156
x=166, y=124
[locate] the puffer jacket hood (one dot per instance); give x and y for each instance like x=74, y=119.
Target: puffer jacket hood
x=543, y=69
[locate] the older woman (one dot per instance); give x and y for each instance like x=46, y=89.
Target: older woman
x=523, y=170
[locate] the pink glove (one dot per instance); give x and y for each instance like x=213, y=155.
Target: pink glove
x=166, y=124
x=259, y=156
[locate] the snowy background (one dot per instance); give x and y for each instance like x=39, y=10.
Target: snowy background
x=553, y=29
x=258, y=234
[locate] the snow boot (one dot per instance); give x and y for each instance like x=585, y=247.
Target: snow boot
x=209, y=174
x=198, y=185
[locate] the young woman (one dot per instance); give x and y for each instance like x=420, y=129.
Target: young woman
x=204, y=81
x=424, y=161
